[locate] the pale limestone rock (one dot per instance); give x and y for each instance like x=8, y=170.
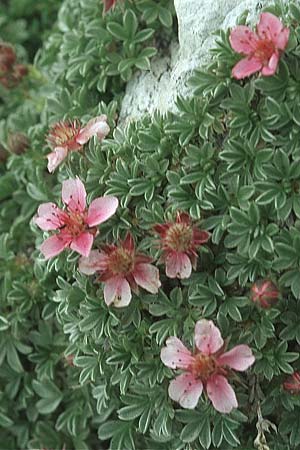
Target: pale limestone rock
x=197, y=21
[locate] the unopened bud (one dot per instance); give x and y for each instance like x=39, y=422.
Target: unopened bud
x=7, y=57
x=17, y=143
x=292, y=383
x=264, y=293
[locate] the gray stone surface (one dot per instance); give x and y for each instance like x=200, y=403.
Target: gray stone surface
x=197, y=21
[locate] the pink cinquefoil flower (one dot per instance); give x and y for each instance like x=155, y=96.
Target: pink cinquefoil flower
x=121, y=269
x=76, y=224
x=292, y=383
x=179, y=241
x=261, y=49
x=207, y=368
x=65, y=137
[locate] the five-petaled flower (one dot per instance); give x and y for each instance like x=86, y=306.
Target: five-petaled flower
x=76, y=224
x=264, y=293
x=68, y=136
x=208, y=368
x=262, y=49
x=121, y=269
x=179, y=241
x=292, y=383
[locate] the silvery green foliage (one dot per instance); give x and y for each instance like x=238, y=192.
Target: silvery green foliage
x=76, y=373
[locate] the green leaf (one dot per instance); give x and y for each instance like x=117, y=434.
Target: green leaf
x=51, y=396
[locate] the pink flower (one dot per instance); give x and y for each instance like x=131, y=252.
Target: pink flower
x=207, y=368
x=292, y=383
x=179, y=240
x=65, y=137
x=264, y=293
x=262, y=49
x=121, y=269
x=76, y=224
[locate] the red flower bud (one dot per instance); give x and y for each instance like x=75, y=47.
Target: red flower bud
x=292, y=383
x=7, y=57
x=109, y=4
x=264, y=293
x=70, y=360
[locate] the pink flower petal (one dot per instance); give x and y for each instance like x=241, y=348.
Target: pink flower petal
x=243, y=40
x=95, y=262
x=269, y=27
x=186, y=390
x=221, y=394
x=238, y=358
x=50, y=217
x=54, y=245
x=270, y=69
x=83, y=243
x=56, y=157
x=246, y=67
x=178, y=265
x=208, y=338
x=117, y=291
x=175, y=355
x=97, y=126
x=147, y=276
x=101, y=209
x=128, y=243
x=74, y=195
x=283, y=39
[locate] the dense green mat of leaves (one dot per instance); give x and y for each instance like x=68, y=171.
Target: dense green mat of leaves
x=79, y=374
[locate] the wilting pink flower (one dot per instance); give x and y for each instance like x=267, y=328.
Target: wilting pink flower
x=108, y=4
x=76, y=224
x=264, y=293
x=179, y=241
x=11, y=74
x=262, y=49
x=207, y=368
x=121, y=269
x=292, y=383
x=65, y=137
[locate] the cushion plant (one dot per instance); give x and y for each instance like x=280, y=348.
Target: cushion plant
x=195, y=265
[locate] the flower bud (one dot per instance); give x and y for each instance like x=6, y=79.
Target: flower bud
x=70, y=360
x=264, y=293
x=7, y=57
x=292, y=383
x=18, y=143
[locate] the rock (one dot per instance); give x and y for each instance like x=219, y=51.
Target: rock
x=197, y=21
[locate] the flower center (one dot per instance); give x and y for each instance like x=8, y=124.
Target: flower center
x=179, y=237
x=75, y=223
x=63, y=134
x=121, y=261
x=264, y=50
x=203, y=366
